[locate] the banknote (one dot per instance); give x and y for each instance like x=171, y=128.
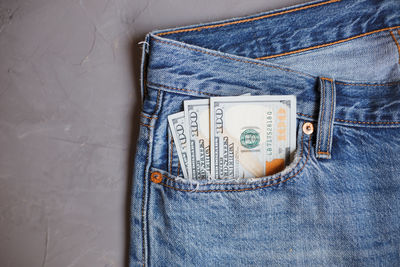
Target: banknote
x=251, y=136
x=198, y=124
x=177, y=125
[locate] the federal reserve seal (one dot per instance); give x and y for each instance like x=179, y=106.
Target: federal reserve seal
x=250, y=138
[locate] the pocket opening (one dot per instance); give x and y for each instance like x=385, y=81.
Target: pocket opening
x=302, y=155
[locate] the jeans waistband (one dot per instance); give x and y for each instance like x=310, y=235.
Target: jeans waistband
x=228, y=58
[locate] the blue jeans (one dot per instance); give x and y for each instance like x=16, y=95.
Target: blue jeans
x=338, y=202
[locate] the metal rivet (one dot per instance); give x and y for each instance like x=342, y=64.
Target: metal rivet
x=308, y=128
x=156, y=177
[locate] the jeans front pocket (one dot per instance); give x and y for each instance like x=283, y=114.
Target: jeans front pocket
x=204, y=223
x=293, y=170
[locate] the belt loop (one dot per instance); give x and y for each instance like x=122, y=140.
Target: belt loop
x=326, y=118
x=143, y=67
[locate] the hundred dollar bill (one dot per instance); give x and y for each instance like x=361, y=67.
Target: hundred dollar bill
x=251, y=136
x=179, y=132
x=197, y=114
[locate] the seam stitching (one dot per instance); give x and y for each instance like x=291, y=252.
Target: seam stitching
x=366, y=84
x=321, y=119
x=327, y=44
x=370, y=122
x=144, y=192
x=231, y=58
x=247, y=20
x=180, y=89
x=330, y=119
x=155, y=117
x=158, y=100
x=330, y=122
x=146, y=125
x=266, y=181
x=305, y=115
x=397, y=43
x=248, y=188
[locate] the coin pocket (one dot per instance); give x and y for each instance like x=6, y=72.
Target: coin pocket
x=162, y=149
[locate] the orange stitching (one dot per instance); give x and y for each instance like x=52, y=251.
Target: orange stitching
x=398, y=31
x=371, y=122
x=301, y=153
x=327, y=44
x=248, y=188
x=366, y=84
x=231, y=58
x=179, y=166
x=323, y=78
x=330, y=118
x=322, y=114
x=323, y=152
x=397, y=43
x=247, y=20
x=305, y=115
x=155, y=117
x=146, y=125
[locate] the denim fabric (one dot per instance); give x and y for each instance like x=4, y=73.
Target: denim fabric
x=338, y=202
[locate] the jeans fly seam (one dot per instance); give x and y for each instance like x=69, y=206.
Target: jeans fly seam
x=266, y=181
x=322, y=115
x=247, y=188
x=397, y=44
x=327, y=44
x=232, y=58
x=248, y=20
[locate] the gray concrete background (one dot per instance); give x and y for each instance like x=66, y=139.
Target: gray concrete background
x=69, y=100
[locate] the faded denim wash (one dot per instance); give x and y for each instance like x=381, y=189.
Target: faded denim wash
x=338, y=202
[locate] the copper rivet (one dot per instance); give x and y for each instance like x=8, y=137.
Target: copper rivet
x=156, y=177
x=308, y=128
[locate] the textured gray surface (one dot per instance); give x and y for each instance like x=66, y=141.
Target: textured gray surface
x=68, y=121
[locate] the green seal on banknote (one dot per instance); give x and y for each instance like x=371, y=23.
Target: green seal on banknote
x=250, y=138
